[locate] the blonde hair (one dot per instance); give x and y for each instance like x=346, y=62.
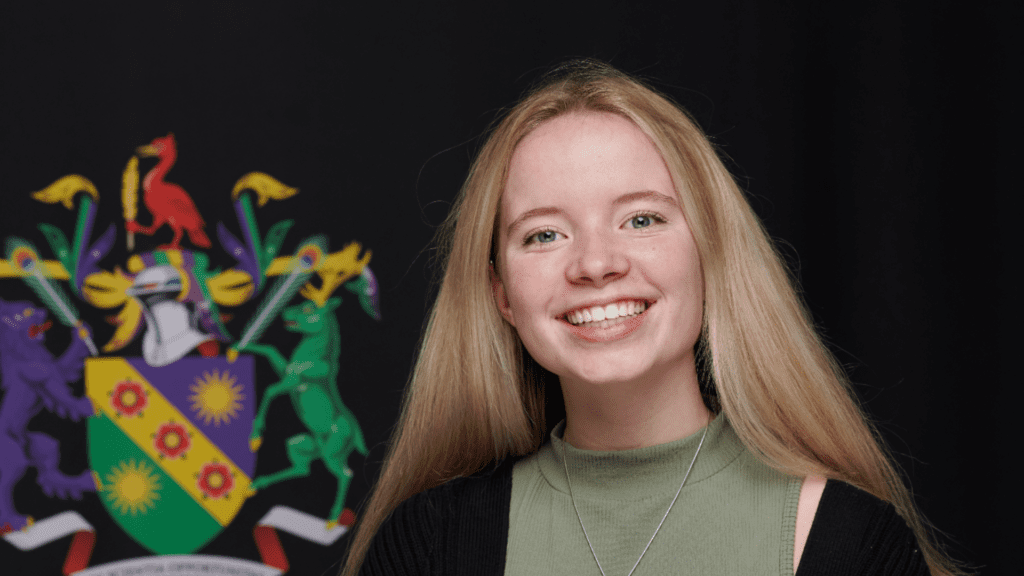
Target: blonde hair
x=475, y=397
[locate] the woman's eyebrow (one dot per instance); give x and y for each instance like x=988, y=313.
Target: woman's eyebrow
x=542, y=211
x=647, y=195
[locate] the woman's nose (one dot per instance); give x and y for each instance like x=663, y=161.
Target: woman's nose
x=598, y=260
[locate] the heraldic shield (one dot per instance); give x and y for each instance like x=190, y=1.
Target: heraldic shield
x=169, y=446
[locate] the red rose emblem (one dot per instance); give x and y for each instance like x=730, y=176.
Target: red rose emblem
x=172, y=440
x=215, y=480
x=128, y=398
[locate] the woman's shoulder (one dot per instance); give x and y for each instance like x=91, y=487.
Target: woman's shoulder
x=405, y=543
x=462, y=523
x=462, y=494
x=855, y=532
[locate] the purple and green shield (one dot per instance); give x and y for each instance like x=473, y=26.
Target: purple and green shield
x=169, y=446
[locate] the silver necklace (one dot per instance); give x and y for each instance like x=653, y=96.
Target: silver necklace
x=674, y=498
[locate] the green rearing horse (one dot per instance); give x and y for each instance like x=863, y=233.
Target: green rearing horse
x=309, y=377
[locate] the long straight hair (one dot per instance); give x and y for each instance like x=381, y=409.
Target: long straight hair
x=475, y=396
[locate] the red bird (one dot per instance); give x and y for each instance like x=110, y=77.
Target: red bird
x=168, y=203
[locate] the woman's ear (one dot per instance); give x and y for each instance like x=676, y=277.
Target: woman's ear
x=500, y=297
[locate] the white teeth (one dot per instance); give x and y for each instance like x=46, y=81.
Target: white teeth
x=602, y=315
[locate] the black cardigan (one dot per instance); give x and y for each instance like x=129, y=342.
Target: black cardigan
x=461, y=527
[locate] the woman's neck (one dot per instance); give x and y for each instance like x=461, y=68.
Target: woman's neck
x=630, y=415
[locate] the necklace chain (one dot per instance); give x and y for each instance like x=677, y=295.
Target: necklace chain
x=649, y=542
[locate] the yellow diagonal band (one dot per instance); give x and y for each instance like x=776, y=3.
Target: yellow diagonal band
x=102, y=375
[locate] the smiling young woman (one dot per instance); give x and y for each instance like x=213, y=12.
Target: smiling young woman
x=600, y=246
x=590, y=226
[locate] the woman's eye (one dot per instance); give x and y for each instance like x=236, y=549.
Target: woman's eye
x=643, y=220
x=544, y=237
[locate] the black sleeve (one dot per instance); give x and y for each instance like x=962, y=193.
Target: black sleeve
x=856, y=534
x=478, y=538
x=406, y=543
x=460, y=527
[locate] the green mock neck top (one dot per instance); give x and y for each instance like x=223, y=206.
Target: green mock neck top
x=735, y=515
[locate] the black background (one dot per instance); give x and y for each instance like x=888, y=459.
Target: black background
x=878, y=141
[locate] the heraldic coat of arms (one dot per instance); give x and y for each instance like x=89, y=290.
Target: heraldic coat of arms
x=174, y=434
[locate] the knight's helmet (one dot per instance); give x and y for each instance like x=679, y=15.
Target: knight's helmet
x=172, y=326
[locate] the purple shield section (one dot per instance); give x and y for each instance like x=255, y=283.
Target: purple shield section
x=178, y=383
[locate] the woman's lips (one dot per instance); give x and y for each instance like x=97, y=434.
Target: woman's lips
x=606, y=312
x=605, y=330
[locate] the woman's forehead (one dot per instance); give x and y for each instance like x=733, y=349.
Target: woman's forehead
x=592, y=149
x=578, y=125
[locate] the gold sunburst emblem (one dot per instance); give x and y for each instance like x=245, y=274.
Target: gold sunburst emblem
x=132, y=487
x=216, y=397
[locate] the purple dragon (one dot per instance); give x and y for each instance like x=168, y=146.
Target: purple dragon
x=32, y=379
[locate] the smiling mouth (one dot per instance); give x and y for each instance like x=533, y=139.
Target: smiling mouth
x=607, y=315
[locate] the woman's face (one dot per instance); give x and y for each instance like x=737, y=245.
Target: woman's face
x=597, y=268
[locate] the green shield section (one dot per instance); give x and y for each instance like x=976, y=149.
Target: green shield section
x=145, y=501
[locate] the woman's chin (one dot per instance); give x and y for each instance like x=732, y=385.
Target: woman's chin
x=607, y=375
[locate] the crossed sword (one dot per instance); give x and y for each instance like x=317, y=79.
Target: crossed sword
x=67, y=313
x=297, y=276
